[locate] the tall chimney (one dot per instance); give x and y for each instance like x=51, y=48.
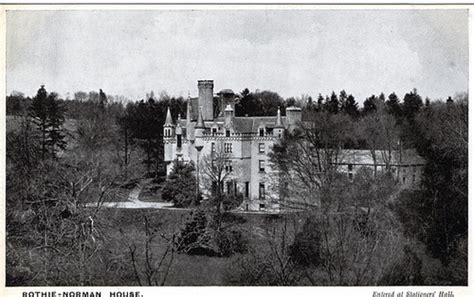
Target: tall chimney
x=206, y=95
x=293, y=117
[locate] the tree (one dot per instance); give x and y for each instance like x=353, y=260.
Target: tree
x=146, y=124
x=180, y=186
x=412, y=104
x=219, y=177
x=48, y=116
x=381, y=133
x=393, y=106
x=320, y=140
x=16, y=103
x=441, y=205
x=370, y=105
x=332, y=105
x=56, y=119
x=247, y=104
x=350, y=107
x=258, y=103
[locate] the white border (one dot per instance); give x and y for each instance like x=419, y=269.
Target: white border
x=228, y=291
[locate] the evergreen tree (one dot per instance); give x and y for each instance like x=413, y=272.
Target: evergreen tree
x=102, y=99
x=393, y=106
x=180, y=186
x=351, y=107
x=342, y=100
x=48, y=116
x=320, y=104
x=332, y=104
x=370, y=105
x=55, y=139
x=382, y=97
x=412, y=104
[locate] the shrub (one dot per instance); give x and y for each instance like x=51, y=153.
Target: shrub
x=180, y=187
x=406, y=272
x=230, y=242
x=305, y=251
x=194, y=238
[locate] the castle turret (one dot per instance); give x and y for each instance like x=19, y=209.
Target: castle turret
x=200, y=127
x=206, y=97
x=226, y=97
x=228, y=116
x=189, y=130
x=279, y=128
x=293, y=117
x=168, y=127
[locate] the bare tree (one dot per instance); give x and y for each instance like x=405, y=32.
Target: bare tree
x=381, y=133
x=154, y=269
x=320, y=140
x=219, y=177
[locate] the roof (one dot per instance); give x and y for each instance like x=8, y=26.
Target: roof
x=168, y=121
x=251, y=124
x=242, y=124
x=226, y=91
x=364, y=157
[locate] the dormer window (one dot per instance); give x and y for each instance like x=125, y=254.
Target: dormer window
x=261, y=132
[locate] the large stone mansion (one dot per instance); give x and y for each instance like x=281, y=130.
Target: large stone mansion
x=247, y=141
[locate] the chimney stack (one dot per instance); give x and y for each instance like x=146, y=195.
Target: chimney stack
x=206, y=96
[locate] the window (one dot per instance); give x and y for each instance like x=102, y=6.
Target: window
x=404, y=180
x=178, y=141
x=227, y=148
x=247, y=188
x=261, y=191
x=261, y=206
x=261, y=132
x=229, y=188
x=227, y=133
x=261, y=148
x=213, y=147
x=349, y=167
x=414, y=178
x=351, y=176
x=228, y=166
x=261, y=165
x=214, y=131
x=279, y=134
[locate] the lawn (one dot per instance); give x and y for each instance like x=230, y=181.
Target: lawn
x=121, y=229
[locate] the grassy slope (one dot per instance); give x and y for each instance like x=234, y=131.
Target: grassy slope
x=125, y=227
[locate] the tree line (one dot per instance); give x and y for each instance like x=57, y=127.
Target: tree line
x=63, y=154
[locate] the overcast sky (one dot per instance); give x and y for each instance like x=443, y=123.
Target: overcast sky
x=291, y=52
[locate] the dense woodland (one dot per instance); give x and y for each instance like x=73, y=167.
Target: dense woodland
x=65, y=158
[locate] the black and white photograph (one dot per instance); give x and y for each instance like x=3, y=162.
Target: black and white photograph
x=236, y=145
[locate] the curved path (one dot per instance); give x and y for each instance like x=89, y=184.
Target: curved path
x=134, y=202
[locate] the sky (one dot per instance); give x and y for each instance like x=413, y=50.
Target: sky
x=292, y=52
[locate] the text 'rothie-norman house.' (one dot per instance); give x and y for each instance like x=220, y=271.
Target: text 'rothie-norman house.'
x=247, y=141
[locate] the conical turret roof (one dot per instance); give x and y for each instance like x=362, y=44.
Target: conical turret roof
x=200, y=120
x=168, y=121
